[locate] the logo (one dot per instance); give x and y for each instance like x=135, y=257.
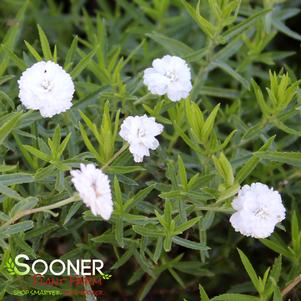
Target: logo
x=57, y=267
x=11, y=267
x=76, y=275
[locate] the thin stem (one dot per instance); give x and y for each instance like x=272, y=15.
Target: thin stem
x=59, y=204
x=142, y=99
x=216, y=209
x=291, y=285
x=116, y=155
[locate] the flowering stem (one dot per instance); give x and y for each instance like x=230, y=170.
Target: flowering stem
x=47, y=209
x=291, y=285
x=116, y=155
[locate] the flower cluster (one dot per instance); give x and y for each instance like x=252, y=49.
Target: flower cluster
x=258, y=210
x=47, y=87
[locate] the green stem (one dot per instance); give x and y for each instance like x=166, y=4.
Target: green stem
x=59, y=204
x=116, y=155
x=142, y=99
x=215, y=209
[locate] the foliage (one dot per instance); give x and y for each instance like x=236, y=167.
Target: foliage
x=170, y=228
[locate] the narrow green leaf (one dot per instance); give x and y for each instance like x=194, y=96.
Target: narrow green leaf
x=291, y=158
x=89, y=145
x=139, y=196
x=228, y=69
x=123, y=169
x=203, y=294
x=251, y=164
x=17, y=228
x=182, y=173
x=189, y=244
x=117, y=193
x=9, y=125
x=244, y=25
x=173, y=46
x=209, y=123
x=72, y=211
x=286, y=30
x=119, y=232
x=276, y=247
x=123, y=259
x=77, y=70
x=70, y=54
x=18, y=62
x=249, y=269
x=33, y=52
x=16, y=178
x=39, y=154
x=10, y=193
x=234, y=297
x=24, y=204
x=185, y=226
x=148, y=231
x=260, y=99
x=44, y=44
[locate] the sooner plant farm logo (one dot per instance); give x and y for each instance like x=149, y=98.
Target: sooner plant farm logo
x=56, y=267
x=58, y=277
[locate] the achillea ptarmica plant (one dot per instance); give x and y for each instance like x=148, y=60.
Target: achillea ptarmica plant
x=258, y=210
x=140, y=132
x=94, y=189
x=169, y=75
x=47, y=87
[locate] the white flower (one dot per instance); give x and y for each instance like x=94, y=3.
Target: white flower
x=169, y=75
x=258, y=210
x=140, y=132
x=94, y=189
x=46, y=87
